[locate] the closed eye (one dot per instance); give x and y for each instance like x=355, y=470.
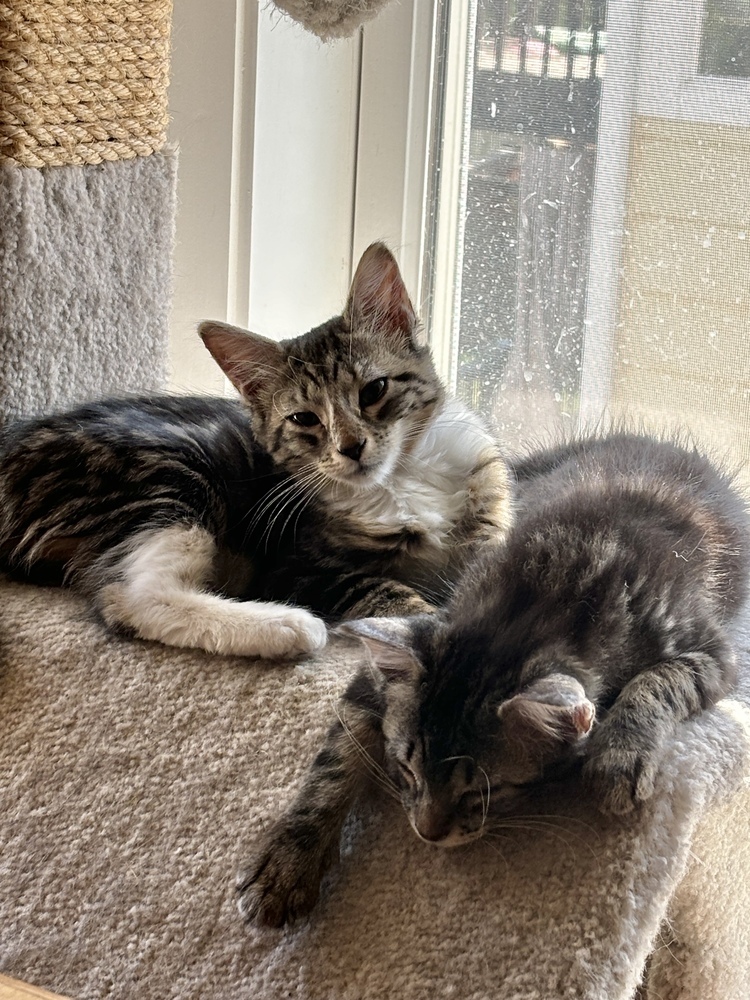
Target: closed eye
x=305, y=418
x=372, y=392
x=407, y=773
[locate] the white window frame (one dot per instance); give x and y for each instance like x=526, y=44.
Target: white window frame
x=294, y=157
x=398, y=58
x=202, y=106
x=456, y=74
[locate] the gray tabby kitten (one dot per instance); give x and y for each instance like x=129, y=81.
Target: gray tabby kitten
x=344, y=484
x=588, y=635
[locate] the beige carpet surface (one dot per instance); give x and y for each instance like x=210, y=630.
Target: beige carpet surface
x=134, y=780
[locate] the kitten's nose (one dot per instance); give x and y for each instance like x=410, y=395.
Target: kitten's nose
x=353, y=451
x=431, y=825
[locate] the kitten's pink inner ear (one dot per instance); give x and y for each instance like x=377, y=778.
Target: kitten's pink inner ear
x=582, y=717
x=247, y=359
x=378, y=296
x=531, y=720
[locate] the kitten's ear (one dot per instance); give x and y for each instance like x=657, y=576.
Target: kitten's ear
x=551, y=710
x=378, y=298
x=247, y=359
x=388, y=642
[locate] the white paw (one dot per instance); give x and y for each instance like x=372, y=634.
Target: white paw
x=198, y=620
x=290, y=632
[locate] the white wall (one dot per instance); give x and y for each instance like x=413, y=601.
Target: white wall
x=201, y=108
x=303, y=180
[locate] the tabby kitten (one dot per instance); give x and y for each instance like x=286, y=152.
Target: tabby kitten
x=343, y=484
x=589, y=634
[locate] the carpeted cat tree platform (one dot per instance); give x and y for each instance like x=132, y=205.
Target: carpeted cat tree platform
x=134, y=778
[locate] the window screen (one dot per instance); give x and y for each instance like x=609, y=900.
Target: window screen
x=725, y=38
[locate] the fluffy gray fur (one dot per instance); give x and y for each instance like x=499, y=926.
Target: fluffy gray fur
x=588, y=635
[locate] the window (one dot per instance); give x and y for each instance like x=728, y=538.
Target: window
x=598, y=256
x=535, y=86
x=566, y=184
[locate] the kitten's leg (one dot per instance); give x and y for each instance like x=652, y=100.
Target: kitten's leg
x=488, y=515
x=347, y=595
x=282, y=881
x=625, y=749
x=156, y=585
x=489, y=509
x=373, y=597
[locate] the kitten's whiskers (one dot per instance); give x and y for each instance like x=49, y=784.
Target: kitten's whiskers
x=533, y=823
x=298, y=496
x=272, y=504
x=485, y=804
x=375, y=770
x=313, y=490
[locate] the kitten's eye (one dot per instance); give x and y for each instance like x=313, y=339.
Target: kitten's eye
x=407, y=774
x=372, y=392
x=305, y=419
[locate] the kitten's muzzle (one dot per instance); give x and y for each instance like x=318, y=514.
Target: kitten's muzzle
x=353, y=450
x=447, y=835
x=438, y=825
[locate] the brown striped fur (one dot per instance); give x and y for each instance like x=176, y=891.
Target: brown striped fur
x=343, y=484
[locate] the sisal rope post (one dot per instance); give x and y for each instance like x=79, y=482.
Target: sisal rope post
x=83, y=81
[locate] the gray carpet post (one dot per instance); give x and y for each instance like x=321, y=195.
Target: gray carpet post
x=85, y=268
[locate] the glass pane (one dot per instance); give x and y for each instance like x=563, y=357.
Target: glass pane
x=603, y=253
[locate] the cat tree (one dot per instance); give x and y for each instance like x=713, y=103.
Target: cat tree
x=134, y=778
x=86, y=200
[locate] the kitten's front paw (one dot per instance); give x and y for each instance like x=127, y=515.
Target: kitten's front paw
x=282, y=883
x=279, y=632
x=621, y=779
x=297, y=633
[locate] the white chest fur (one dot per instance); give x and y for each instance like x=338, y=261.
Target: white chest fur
x=427, y=493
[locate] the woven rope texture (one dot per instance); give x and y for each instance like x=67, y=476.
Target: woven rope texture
x=83, y=81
